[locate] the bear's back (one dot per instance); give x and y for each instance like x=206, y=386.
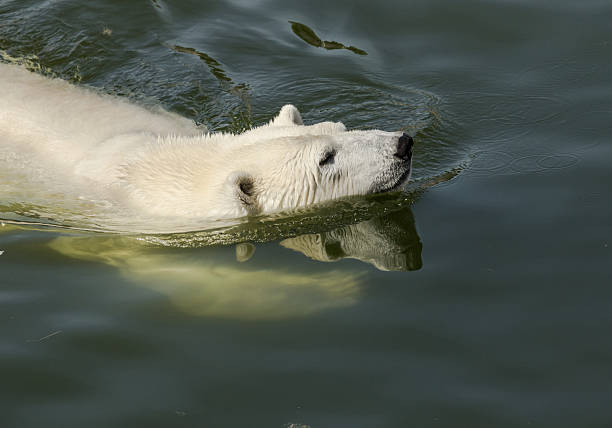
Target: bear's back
x=63, y=122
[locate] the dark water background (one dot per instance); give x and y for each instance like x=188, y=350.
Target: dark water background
x=482, y=301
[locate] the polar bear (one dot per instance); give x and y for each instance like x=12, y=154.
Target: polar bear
x=161, y=164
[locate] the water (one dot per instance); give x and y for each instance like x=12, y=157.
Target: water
x=479, y=297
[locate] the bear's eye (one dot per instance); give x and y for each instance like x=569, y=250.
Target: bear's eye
x=328, y=158
x=246, y=187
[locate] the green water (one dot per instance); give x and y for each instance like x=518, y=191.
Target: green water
x=480, y=297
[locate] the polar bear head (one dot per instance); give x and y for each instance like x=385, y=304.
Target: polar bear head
x=285, y=164
x=279, y=166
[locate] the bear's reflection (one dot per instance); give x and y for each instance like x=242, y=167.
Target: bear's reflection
x=390, y=242
x=209, y=282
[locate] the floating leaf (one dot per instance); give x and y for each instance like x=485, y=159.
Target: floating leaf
x=356, y=50
x=333, y=45
x=306, y=33
x=309, y=36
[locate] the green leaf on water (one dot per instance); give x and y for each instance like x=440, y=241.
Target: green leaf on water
x=357, y=50
x=306, y=33
x=332, y=45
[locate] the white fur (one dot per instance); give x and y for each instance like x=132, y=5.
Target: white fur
x=162, y=164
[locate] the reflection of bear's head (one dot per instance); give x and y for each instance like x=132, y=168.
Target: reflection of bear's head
x=279, y=166
x=390, y=242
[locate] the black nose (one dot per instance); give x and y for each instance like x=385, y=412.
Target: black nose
x=404, y=147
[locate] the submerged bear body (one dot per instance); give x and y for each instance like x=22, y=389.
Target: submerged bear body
x=161, y=164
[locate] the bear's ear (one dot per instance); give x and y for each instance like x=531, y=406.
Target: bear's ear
x=287, y=116
x=242, y=186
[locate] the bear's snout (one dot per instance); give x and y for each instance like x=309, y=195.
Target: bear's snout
x=404, y=147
